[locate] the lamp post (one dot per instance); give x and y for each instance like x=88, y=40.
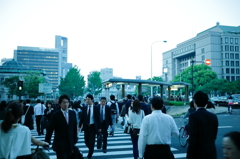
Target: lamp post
x=192, y=62
x=151, y=64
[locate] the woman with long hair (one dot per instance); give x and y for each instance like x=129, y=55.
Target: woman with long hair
x=136, y=116
x=15, y=139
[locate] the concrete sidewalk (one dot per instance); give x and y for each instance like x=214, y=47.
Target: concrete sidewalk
x=181, y=110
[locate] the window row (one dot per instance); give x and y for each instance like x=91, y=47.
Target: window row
x=230, y=48
x=231, y=63
x=232, y=71
x=185, y=49
x=232, y=56
x=232, y=78
x=231, y=40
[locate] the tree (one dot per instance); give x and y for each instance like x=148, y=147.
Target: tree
x=73, y=84
x=31, y=84
x=94, y=83
x=11, y=84
x=202, y=74
x=148, y=88
x=216, y=85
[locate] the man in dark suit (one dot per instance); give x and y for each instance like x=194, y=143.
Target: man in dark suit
x=90, y=123
x=144, y=106
x=128, y=103
x=203, y=128
x=64, y=123
x=106, y=120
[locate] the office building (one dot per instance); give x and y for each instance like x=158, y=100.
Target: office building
x=51, y=60
x=220, y=44
x=106, y=73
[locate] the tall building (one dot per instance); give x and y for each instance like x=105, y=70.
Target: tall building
x=106, y=73
x=51, y=60
x=220, y=44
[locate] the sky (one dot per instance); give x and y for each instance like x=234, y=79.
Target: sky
x=117, y=34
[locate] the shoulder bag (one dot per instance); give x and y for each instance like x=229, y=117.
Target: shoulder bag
x=23, y=117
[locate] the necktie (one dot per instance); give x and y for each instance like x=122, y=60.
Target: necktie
x=89, y=114
x=101, y=115
x=66, y=116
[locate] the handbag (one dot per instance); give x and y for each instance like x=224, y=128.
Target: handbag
x=37, y=153
x=99, y=141
x=44, y=122
x=127, y=129
x=24, y=116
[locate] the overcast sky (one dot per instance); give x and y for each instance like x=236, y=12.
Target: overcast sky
x=111, y=33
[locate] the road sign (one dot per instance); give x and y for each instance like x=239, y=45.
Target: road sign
x=208, y=62
x=45, y=88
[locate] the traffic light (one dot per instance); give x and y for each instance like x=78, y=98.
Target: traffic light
x=20, y=85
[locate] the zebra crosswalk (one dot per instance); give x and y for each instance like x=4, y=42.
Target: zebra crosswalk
x=119, y=147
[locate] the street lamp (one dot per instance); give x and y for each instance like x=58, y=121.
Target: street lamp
x=151, y=63
x=192, y=62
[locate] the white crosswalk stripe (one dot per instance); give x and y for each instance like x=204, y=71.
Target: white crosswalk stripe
x=119, y=147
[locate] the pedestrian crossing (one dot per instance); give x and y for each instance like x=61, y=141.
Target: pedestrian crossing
x=119, y=147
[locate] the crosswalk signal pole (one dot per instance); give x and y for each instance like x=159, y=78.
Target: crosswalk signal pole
x=20, y=88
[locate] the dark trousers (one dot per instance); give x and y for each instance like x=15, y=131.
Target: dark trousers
x=158, y=152
x=135, y=145
x=89, y=138
x=38, y=122
x=105, y=135
x=63, y=155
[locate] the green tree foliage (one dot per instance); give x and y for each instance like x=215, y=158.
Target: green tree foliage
x=73, y=83
x=148, y=88
x=202, y=74
x=31, y=84
x=220, y=85
x=94, y=83
x=11, y=84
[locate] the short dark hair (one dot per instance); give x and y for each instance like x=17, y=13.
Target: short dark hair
x=140, y=97
x=38, y=101
x=103, y=98
x=235, y=137
x=129, y=96
x=48, y=102
x=64, y=96
x=28, y=101
x=157, y=103
x=89, y=96
x=200, y=98
x=112, y=97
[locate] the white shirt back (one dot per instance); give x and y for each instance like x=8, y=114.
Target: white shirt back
x=136, y=119
x=39, y=109
x=157, y=128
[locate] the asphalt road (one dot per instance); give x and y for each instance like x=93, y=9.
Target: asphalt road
x=227, y=123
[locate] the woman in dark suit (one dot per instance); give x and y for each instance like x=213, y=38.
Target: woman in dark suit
x=29, y=112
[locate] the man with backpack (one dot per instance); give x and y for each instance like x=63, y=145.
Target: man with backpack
x=114, y=112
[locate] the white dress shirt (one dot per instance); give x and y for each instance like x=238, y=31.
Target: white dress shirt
x=136, y=119
x=39, y=109
x=157, y=128
x=109, y=104
x=91, y=115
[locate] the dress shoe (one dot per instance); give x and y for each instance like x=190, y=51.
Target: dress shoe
x=104, y=151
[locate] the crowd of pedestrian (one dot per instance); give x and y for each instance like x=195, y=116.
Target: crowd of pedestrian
x=150, y=127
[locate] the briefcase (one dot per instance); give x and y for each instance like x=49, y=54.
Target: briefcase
x=99, y=141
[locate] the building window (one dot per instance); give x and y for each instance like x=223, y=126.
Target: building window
x=231, y=48
x=166, y=61
x=226, y=55
x=203, y=58
x=232, y=71
x=202, y=50
x=233, y=78
x=237, y=63
x=228, y=78
x=222, y=63
x=232, y=63
x=226, y=40
x=236, y=48
x=236, y=56
x=231, y=40
x=226, y=48
x=222, y=71
x=237, y=77
x=221, y=48
x=227, y=70
x=232, y=56
x=227, y=63
x=237, y=71
x=236, y=40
